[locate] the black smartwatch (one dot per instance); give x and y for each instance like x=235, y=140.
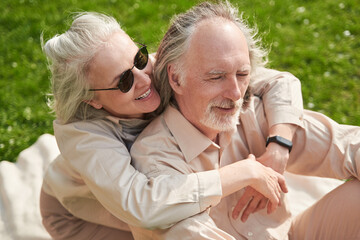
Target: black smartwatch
x=281, y=141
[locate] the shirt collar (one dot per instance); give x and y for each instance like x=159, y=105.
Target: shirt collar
x=131, y=127
x=191, y=141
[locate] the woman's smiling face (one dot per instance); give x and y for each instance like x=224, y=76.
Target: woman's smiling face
x=105, y=69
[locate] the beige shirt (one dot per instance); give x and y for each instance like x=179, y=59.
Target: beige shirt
x=94, y=180
x=94, y=169
x=171, y=145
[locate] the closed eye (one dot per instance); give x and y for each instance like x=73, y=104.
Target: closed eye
x=242, y=74
x=215, y=78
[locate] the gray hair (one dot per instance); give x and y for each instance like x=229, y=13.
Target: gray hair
x=69, y=55
x=176, y=42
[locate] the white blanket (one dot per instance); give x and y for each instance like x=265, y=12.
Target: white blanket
x=20, y=185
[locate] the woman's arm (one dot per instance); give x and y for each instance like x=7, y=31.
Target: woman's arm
x=282, y=99
x=281, y=95
x=101, y=179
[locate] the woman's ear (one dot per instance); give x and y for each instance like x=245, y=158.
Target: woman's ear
x=174, y=79
x=93, y=103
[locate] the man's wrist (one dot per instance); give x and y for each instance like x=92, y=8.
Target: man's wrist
x=280, y=141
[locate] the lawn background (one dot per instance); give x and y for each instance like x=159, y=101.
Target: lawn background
x=316, y=40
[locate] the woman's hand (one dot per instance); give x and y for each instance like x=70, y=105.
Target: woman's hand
x=265, y=185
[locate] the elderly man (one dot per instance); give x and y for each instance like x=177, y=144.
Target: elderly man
x=203, y=87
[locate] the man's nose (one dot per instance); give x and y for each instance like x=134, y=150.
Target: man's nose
x=232, y=88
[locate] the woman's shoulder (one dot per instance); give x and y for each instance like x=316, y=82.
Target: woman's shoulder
x=102, y=127
x=88, y=136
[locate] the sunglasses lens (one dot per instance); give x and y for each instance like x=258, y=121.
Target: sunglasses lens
x=141, y=58
x=126, y=81
x=127, y=78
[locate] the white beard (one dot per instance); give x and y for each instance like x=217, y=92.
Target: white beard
x=222, y=122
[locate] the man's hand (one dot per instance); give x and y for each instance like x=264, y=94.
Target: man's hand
x=275, y=157
x=253, y=200
x=263, y=180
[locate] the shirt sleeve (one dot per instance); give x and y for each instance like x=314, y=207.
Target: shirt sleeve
x=103, y=164
x=325, y=148
x=200, y=226
x=281, y=95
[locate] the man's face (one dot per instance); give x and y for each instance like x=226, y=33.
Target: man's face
x=217, y=74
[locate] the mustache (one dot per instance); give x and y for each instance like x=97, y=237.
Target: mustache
x=227, y=103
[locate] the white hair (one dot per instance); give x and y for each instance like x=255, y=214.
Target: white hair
x=69, y=55
x=177, y=39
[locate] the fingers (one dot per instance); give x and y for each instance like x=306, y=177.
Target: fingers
x=265, y=190
x=252, y=201
x=269, y=207
x=264, y=201
x=249, y=209
x=273, y=204
x=275, y=195
x=253, y=206
x=282, y=183
x=243, y=201
x=274, y=192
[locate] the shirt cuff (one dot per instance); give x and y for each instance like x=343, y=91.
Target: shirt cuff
x=285, y=114
x=209, y=188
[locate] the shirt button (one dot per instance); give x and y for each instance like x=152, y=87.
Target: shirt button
x=250, y=234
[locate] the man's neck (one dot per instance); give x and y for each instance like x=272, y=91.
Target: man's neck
x=216, y=139
x=207, y=131
x=210, y=133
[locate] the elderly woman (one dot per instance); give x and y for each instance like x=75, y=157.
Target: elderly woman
x=102, y=97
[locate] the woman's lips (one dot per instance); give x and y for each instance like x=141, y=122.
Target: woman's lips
x=146, y=94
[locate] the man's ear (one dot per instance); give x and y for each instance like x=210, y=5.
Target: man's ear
x=93, y=103
x=174, y=79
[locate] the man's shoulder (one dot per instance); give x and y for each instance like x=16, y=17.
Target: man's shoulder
x=154, y=137
x=156, y=151
x=155, y=127
x=162, y=125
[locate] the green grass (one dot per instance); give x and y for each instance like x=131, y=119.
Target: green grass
x=318, y=41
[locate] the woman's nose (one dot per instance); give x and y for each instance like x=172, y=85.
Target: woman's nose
x=142, y=77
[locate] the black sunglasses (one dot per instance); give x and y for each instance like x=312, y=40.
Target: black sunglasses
x=127, y=78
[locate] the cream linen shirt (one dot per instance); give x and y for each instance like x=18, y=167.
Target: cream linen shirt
x=94, y=180
x=171, y=145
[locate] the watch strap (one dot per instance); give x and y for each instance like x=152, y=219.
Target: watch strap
x=281, y=141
